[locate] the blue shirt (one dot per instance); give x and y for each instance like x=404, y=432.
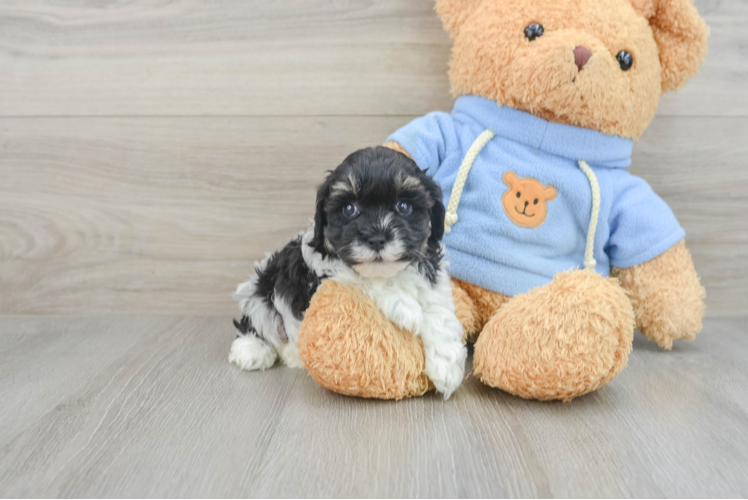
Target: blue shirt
x=511, y=253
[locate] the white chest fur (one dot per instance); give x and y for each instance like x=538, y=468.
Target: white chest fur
x=404, y=298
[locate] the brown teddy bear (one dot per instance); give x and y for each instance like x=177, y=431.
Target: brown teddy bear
x=556, y=251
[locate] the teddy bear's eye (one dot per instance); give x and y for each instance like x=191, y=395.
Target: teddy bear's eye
x=519, y=194
x=534, y=31
x=625, y=59
x=535, y=202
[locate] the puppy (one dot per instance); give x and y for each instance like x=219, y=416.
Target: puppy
x=378, y=225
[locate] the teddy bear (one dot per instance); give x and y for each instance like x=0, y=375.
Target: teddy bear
x=556, y=252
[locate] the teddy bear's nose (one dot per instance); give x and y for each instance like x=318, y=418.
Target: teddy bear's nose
x=581, y=55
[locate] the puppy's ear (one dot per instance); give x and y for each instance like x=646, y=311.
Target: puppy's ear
x=438, y=212
x=320, y=218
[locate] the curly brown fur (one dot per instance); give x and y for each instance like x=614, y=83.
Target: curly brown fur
x=559, y=341
x=492, y=58
x=666, y=295
x=475, y=306
x=350, y=348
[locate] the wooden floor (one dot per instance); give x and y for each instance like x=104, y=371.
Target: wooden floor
x=150, y=150
x=149, y=406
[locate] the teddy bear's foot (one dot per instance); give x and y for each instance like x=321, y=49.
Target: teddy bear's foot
x=349, y=347
x=559, y=341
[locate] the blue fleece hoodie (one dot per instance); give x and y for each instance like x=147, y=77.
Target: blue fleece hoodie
x=486, y=247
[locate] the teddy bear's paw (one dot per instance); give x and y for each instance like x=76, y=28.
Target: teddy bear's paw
x=252, y=353
x=445, y=366
x=559, y=341
x=349, y=347
x=667, y=297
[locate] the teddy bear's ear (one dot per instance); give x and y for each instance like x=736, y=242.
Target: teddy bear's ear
x=510, y=179
x=681, y=35
x=454, y=13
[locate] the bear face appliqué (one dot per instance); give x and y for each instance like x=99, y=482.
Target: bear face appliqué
x=526, y=200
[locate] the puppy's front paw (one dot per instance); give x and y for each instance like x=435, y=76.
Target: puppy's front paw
x=445, y=366
x=252, y=353
x=289, y=353
x=407, y=318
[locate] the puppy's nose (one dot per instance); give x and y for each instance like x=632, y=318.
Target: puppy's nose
x=581, y=56
x=377, y=242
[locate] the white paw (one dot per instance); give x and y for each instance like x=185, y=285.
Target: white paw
x=290, y=356
x=252, y=353
x=407, y=316
x=445, y=366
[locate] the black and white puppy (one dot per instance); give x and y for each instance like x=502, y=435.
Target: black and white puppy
x=378, y=225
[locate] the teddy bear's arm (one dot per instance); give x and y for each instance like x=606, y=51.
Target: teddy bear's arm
x=666, y=295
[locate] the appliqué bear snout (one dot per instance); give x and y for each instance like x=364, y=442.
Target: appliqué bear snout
x=526, y=200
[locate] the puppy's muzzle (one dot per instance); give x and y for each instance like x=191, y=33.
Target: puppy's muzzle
x=377, y=242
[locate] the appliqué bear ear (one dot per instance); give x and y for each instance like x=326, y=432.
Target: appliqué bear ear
x=454, y=13
x=510, y=179
x=681, y=35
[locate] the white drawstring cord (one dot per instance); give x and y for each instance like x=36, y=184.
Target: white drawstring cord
x=589, y=252
x=462, y=174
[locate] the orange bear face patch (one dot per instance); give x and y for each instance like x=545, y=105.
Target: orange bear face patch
x=526, y=200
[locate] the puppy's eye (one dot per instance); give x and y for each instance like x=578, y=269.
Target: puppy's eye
x=404, y=208
x=534, y=31
x=625, y=59
x=519, y=195
x=350, y=210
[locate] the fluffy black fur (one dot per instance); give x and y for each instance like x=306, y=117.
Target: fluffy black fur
x=375, y=171
x=375, y=180
x=287, y=275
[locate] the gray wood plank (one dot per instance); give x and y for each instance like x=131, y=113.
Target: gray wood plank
x=157, y=406
x=165, y=216
x=296, y=57
x=148, y=406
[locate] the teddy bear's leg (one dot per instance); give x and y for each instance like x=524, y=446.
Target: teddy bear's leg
x=349, y=347
x=474, y=306
x=558, y=341
x=666, y=295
